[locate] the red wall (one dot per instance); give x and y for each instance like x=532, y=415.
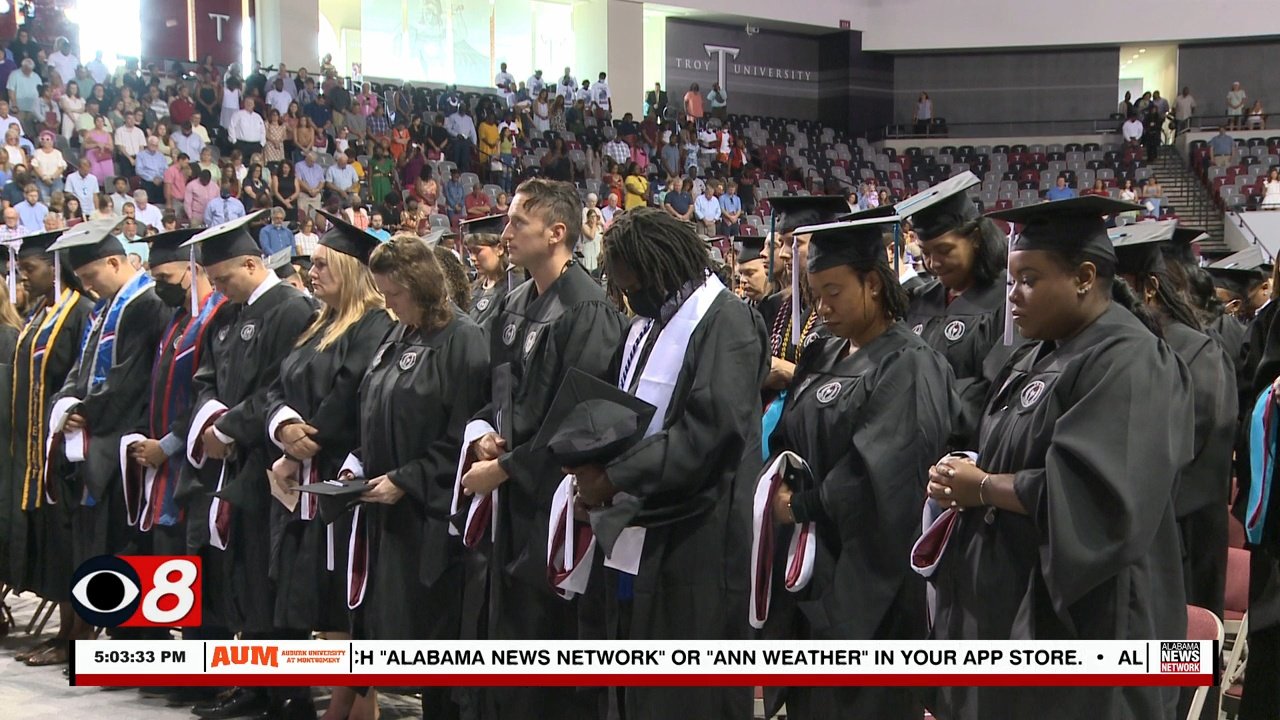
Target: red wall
x=165, y=29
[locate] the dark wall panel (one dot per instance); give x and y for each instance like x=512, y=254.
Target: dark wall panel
x=1209, y=71
x=1002, y=89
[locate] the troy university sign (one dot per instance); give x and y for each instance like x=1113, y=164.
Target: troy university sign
x=723, y=61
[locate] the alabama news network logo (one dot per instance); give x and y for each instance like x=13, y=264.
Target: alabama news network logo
x=1180, y=657
x=138, y=591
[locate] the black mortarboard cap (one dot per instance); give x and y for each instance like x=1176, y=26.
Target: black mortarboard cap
x=348, y=239
x=591, y=421
x=167, y=247
x=857, y=240
x=1138, y=246
x=490, y=226
x=942, y=208
x=1251, y=258
x=89, y=241
x=281, y=262
x=1180, y=248
x=751, y=247
x=302, y=261
x=800, y=210
x=38, y=244
x=231, y=239
x=1074, y=225
x=336, y=496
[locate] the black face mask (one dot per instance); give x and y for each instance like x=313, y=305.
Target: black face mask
x=646, y=303
x=171, y=294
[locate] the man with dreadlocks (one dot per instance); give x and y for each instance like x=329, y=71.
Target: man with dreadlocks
x=683, y=493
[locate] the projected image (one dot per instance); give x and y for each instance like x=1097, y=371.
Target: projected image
x=429, y=40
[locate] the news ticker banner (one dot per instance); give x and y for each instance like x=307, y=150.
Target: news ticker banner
x=641, y=663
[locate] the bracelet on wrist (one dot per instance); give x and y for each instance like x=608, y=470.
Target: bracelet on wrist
x=982, y=487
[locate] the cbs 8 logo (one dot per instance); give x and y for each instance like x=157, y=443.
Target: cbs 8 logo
x=138, y=591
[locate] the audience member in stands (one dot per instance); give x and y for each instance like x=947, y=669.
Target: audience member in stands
x=1257, y=117
x=147, y=213
x=1152, y=197
x=1271, y=191
x=1129, y=193
x=72, y=107
x=83, y=184
x=311, y=181
x=679, y=200
x=48, y=164
x=24, y=93
x=129, y=141
x=175, y=182
x=306, y=239
x=718, y=102
x=1221, y=146
x=923, y=114
x=1236, y=98
x=1099, y=189
x=693, y=104
x=199, y=193
x=1184, y=108
x=31, y=212
x=254, y=186
x=478, y=203
x=1131, y=130
x=72, y=211
x=341, y=179
x=151, y=166
x=730, y=210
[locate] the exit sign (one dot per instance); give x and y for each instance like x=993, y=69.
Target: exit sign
x=846, y=25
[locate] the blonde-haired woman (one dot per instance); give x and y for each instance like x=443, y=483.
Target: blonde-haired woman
x=437, y=358
x=311, y=409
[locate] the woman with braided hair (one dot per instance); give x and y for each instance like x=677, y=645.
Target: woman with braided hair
x=691, y=351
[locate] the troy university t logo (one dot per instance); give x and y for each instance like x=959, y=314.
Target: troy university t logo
x=719, y=52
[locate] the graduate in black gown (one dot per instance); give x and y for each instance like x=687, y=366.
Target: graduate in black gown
x=1069, y=530
x=961, y=311
x=251, y=334
x=871, y=405
x=105, y=394
x=312, y=410
x=174, y=511
x=483, y=240
x=560, y=319
x=794, y=321
x=753, y=282
x=48, y=346
x=1204, y=485
x=684, y=489
x=436, y=357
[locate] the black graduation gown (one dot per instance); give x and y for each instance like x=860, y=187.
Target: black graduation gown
x=970, y=333
x=486, y=302
x=249, y=343
x=1231, y=334
x=695, y=479
x=112, y=409
x=415, y=585
x=1096, y=431
x=9, y=511
x=321, y=386
x=538, y=337
x=1200, y=501
x=40, y=547
x=869, y=424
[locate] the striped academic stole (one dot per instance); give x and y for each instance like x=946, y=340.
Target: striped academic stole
x=1262, y=458
x=46, y=322
x=174, y=398
x=106, y=316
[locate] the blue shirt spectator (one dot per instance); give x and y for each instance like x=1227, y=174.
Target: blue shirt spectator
x=310, y=173
x=151, y=165
x=455, y=196
x=190, y=144
x=1061, y=191
x=1222, y=143
x=275, y=237
x=380, y=233
x=31, y=216
x=319, y=113
x=222, y=209
x=730, y=203
x=342, y=177
x=680, y=201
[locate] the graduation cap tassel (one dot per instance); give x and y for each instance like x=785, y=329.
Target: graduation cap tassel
x=57, y=276
x=13, y=275
x=795, y=293
x=195, y=292
x=1008, y=306
x=897, y=249
x=773, y=224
